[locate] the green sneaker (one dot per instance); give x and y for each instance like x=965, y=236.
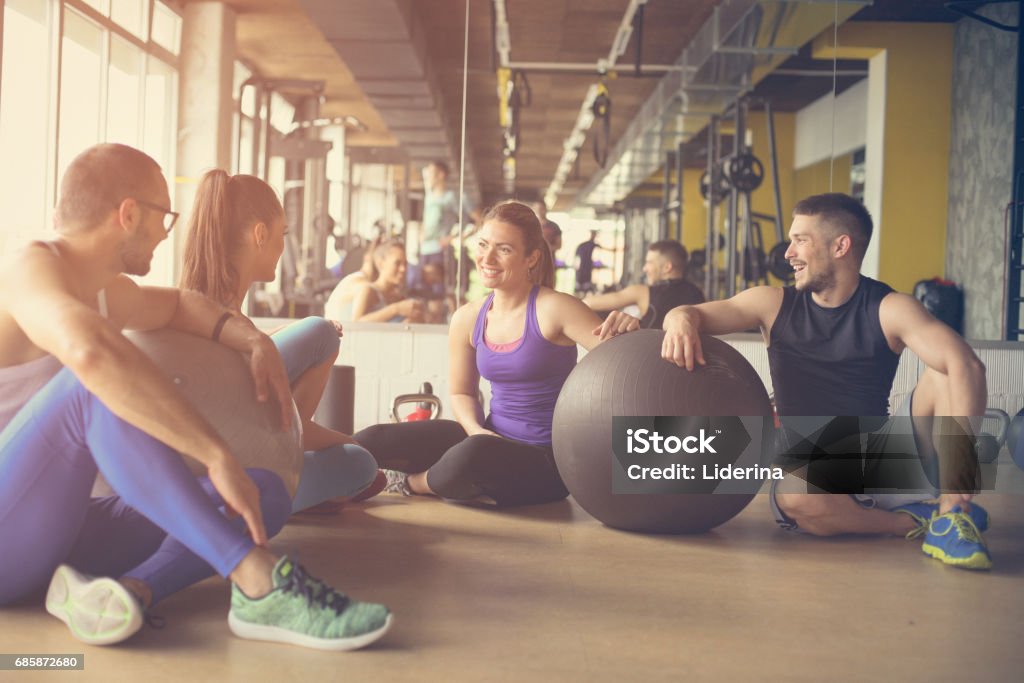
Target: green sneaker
x=99, y=611
x=302, y=610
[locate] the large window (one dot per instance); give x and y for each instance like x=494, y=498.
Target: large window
x=75, y=73
x=81, y=84
x=24, y=131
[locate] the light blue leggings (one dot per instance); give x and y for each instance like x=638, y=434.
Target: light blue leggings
x=335, y=471
x=164, y=527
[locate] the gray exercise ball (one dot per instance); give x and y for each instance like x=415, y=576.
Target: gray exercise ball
x=626, y=376
x=216, y=380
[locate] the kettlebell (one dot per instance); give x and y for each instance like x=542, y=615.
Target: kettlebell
x=428, y=406
x=1015, y=438
x=987, y=445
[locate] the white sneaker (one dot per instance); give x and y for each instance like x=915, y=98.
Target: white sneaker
x=398, y=482
x=99, y=611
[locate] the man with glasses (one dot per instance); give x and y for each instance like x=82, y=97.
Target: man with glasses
x=170, y=217
x=139, y=259
x=76, y=397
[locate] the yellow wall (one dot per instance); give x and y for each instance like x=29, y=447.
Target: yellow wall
x=919, y=78
x=814, y=179
x=695, y=226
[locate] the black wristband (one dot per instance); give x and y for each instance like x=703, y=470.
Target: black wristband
x=220, y=325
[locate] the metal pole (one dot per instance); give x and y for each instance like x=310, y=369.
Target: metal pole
x=748, y=227
x=267, y=131
x=349, y=199
x=710, y=250
x=406, y=202
x=732, y=233
x=257, y=130
x=679, y=191
x=1014, y=295
x=770, y=116
x=666, y=195
x=462, y=161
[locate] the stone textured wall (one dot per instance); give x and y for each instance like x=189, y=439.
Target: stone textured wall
x=981, y=163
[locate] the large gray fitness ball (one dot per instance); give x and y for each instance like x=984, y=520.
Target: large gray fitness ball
x=216, y=380
x=626, y=376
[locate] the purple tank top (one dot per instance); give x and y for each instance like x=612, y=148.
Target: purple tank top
x=525, y=381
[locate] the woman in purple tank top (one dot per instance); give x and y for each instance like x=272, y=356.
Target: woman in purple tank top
x=522, y=339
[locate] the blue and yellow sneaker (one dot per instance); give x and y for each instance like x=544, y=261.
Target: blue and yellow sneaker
x=923, y=511
x=954, y=538
x=302, y=610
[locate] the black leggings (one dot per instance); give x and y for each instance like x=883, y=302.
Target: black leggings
x=461, y=467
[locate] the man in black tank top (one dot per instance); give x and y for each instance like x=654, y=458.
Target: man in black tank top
x=666, y=288
x=834, y=343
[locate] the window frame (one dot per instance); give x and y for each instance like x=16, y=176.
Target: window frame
x=55, y=27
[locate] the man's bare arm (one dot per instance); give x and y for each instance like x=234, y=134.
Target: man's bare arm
x=464, y=379
x=181, y=309
x=106, y=363
x=187, y=311
x=754, y=307
x=905, y=321
x=613, y=301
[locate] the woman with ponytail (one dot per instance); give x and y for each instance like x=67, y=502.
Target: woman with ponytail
x=236, y=237
x=522, y=338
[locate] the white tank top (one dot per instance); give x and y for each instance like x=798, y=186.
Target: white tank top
x=19, y=383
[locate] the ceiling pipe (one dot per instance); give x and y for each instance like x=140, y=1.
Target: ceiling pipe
x=592, y=67
x=585, y=118
x=502, y=39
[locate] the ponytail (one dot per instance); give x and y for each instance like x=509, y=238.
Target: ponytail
x=544, y=272
x=225, y=208
x=207, y=267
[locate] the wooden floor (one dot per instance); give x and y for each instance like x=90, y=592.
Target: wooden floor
x=547, y=593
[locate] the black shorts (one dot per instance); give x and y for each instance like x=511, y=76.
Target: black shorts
x=856, y=455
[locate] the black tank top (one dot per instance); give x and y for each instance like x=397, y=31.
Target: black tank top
x=665, y=296
x=832, y=361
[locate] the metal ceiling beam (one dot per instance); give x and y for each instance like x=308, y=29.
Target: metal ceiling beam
x=720, y=64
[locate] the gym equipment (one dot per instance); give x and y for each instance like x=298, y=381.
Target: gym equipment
x=745, y=172
x=428, y=405
x=754, y=264
x=986, y=447
x=777, y=263
x=1015, y=438
x=337, y=407
x=304, y=275
x=740, y=173
x=711, y=287
x=986, y=444
x=627, y=376
x=602, y=111
x=714, y=187
x=216, y=380
x=944, y=300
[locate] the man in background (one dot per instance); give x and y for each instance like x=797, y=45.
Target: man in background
x=666, y=286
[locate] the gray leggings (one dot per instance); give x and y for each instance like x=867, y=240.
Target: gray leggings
x=461, y=467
